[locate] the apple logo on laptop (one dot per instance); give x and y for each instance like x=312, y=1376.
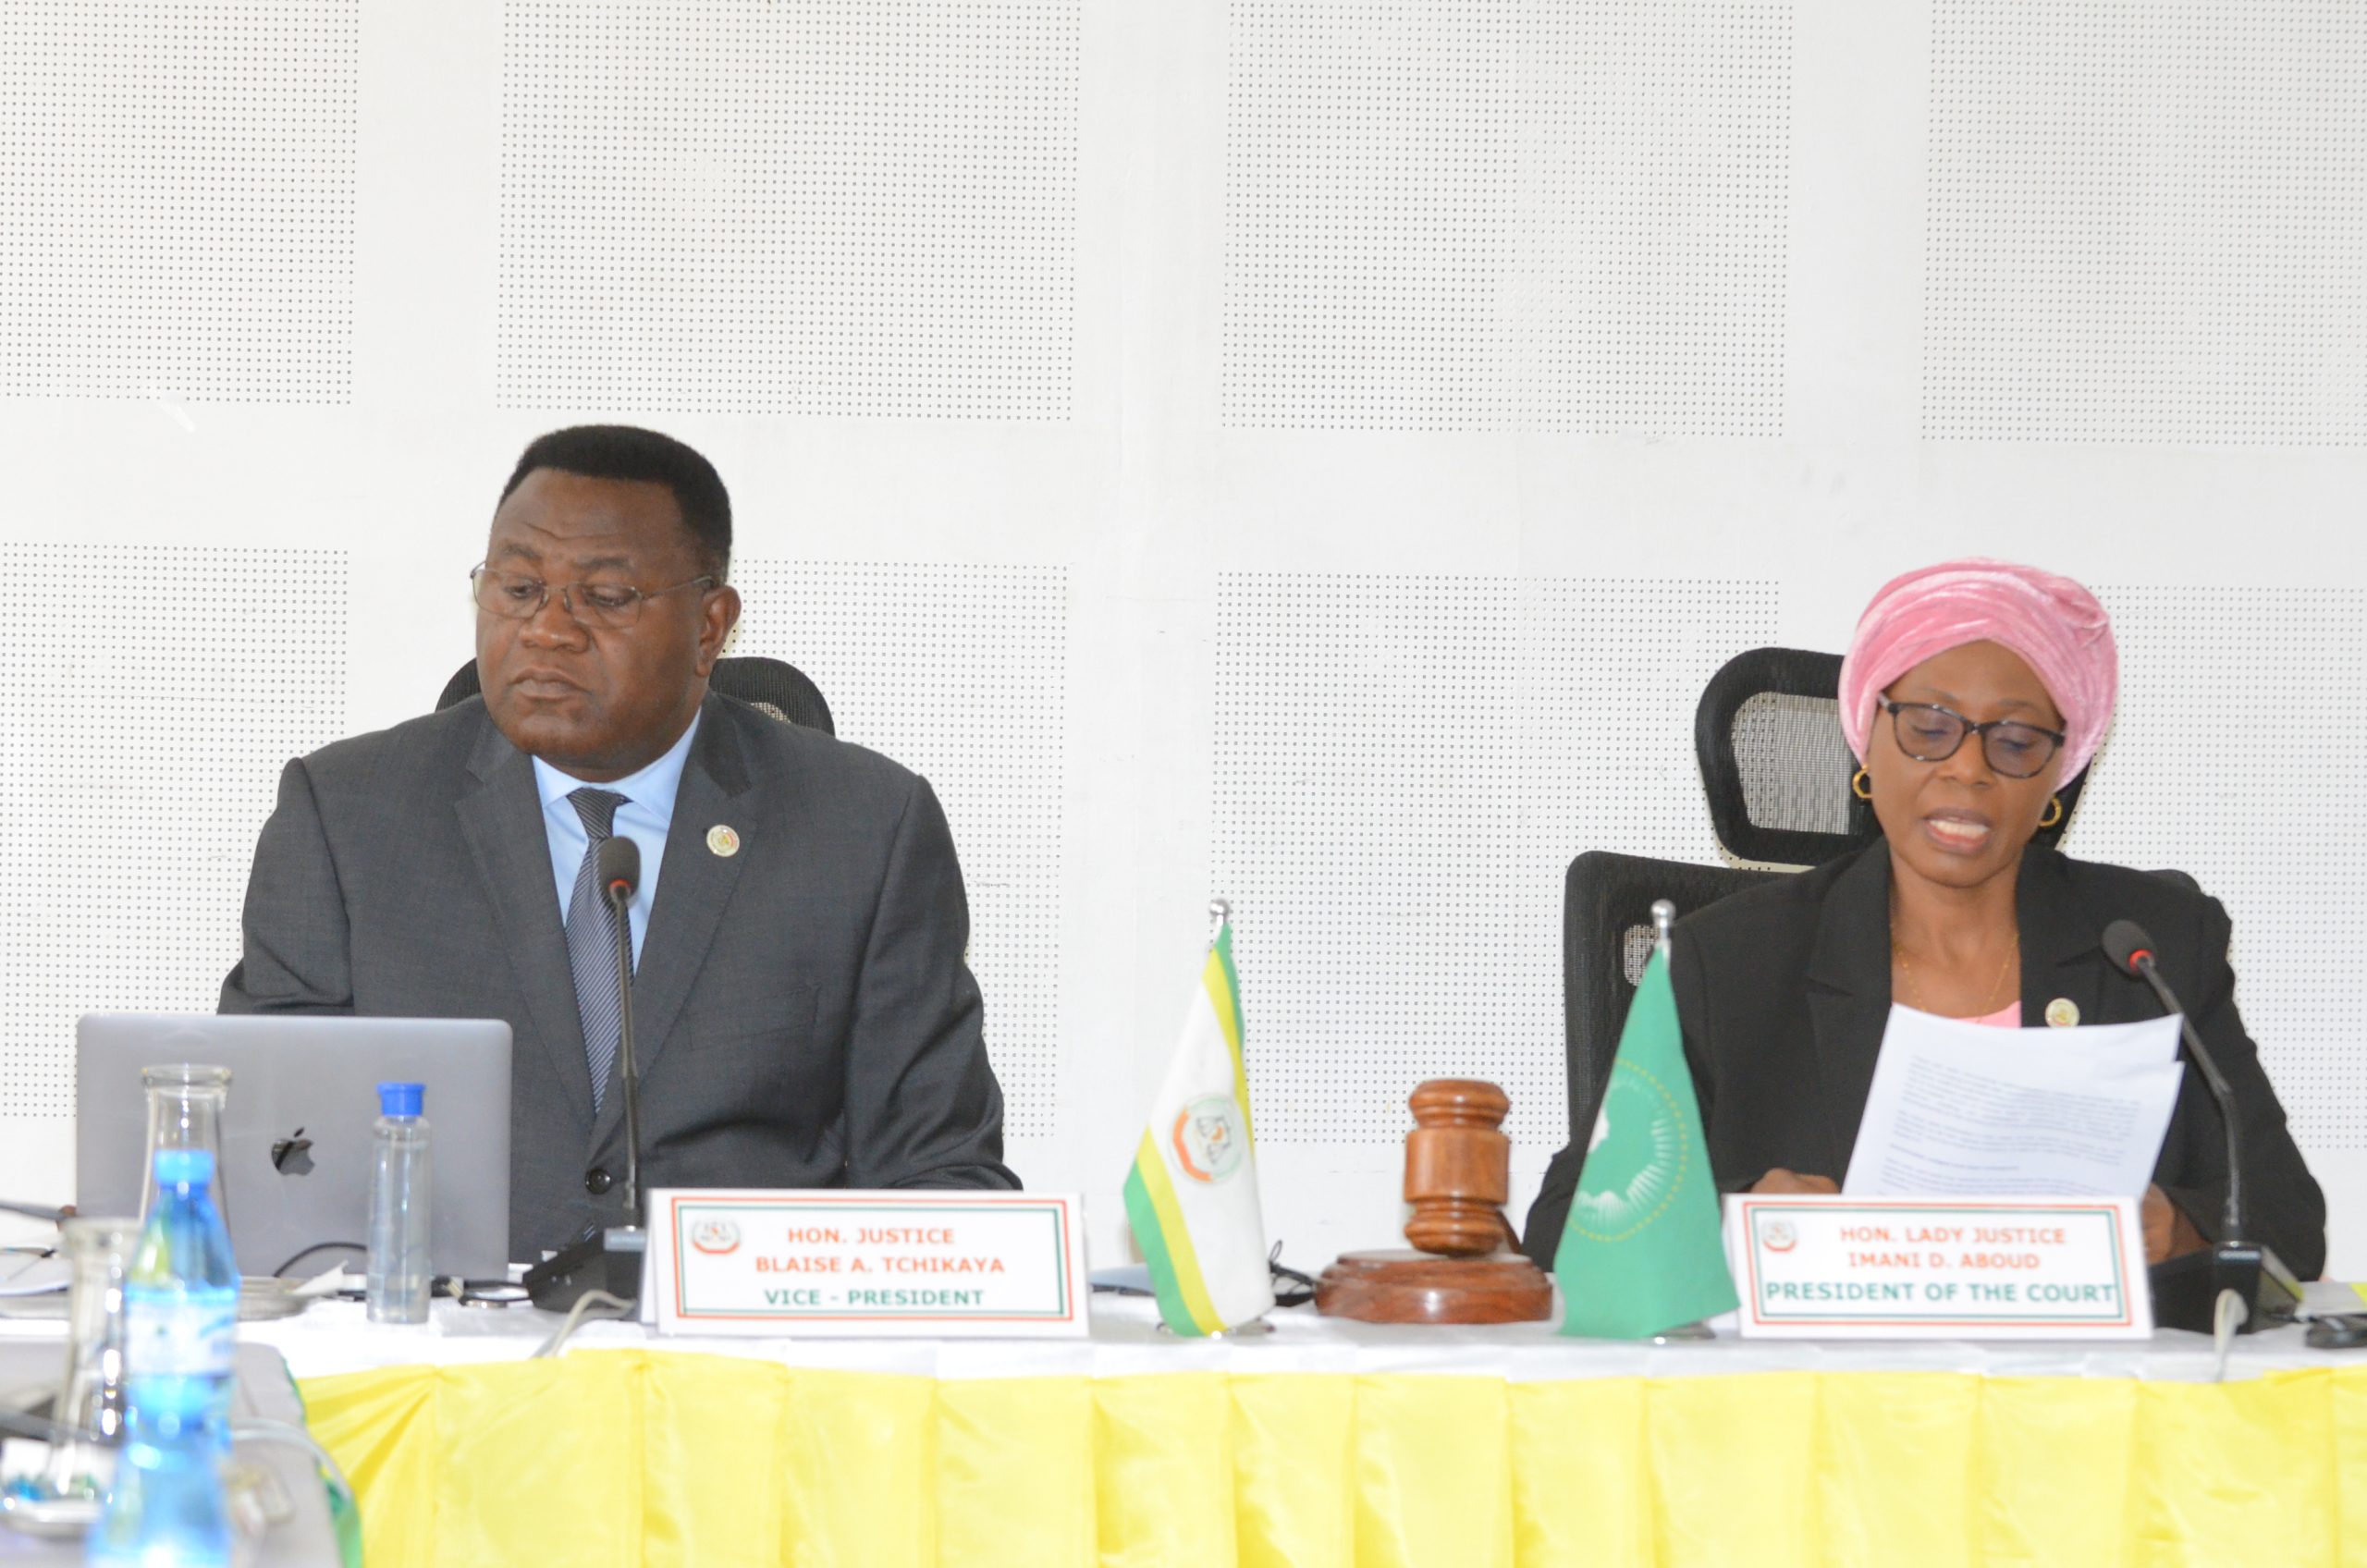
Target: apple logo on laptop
x=292, y=1155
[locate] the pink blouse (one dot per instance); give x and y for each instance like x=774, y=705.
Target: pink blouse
x=2007, y=1017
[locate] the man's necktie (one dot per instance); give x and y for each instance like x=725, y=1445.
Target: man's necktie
x=592, y=943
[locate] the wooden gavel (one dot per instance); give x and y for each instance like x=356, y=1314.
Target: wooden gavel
x=1458, y=1167
x=1458, y=1173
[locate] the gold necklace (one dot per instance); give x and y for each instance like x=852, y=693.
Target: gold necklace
x=1906, y=973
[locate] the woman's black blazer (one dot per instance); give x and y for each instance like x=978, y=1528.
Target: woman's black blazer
x=1782, y=991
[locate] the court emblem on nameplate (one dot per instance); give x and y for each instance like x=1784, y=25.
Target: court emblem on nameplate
x=723, y=841
x=716, y=1238
x=1210, y=1142
x=1777, y=1235
x=2062, y=1013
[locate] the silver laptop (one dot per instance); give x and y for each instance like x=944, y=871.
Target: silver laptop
x=313, y=1081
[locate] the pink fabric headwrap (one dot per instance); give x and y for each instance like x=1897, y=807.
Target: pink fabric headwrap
x=2056, y=626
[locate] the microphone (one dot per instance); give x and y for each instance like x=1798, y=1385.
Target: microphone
x=619, y=868
x=608, y=1259
x=619, y=871
x=2187, y=1289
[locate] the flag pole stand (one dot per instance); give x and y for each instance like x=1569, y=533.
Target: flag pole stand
x=1249, y=1330
x=1685, y=1334
x=1458, y=1172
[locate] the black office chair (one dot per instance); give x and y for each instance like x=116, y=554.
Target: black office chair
x=1606, y=936
x=782, y=689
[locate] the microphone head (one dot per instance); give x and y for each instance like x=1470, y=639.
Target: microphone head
x=2127, y=945
x=620, y=864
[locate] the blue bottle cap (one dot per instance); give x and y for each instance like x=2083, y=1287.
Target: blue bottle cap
x=190, y=1167
x=400, y=1100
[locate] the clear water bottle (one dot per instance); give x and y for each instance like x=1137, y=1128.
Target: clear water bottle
x=166, y=1505
x=399, y=1282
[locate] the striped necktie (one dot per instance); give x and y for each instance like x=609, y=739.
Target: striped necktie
x=592, y=943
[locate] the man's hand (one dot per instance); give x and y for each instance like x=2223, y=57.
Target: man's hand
x=1782, y=1181
x=2168, y=1232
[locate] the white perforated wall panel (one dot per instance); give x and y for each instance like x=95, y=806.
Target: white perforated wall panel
x=1404, y=768
x=1560, y=215
x=2231, y=759
x=789, y=206
x=178, y=180
x=960, y=673
x=149, y=697
x=2148, y=221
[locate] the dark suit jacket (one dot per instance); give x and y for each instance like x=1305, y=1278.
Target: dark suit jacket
x=802, y=1014
x=1782, y=992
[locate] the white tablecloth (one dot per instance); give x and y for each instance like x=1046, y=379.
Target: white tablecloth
x=334, y=1337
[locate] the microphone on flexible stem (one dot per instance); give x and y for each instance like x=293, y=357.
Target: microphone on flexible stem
x=619, y=874
x=608, y=1259
x=2187, y=1289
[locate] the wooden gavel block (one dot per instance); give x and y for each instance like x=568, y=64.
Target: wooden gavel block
x=1458, y=1173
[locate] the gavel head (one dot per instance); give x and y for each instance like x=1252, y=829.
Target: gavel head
x=1458, y=1167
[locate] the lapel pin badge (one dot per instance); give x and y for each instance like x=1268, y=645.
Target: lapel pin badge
x=722, y=840
x=2062, y=1012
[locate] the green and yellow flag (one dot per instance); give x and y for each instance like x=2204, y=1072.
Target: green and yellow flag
x=1641, y=1252
x=1192, y=1196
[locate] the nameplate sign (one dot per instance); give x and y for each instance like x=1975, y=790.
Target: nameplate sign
x=1838, y=1267
x=984, y=1265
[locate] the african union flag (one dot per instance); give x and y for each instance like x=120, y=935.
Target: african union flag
x=1192, y=1196
x=1641, y=1252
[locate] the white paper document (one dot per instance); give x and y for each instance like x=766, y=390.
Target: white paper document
x=1965, y=1110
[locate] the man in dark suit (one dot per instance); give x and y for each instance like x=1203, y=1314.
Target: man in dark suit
x=802, y=1014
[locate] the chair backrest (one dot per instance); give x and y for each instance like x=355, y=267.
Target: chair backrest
x=1606, y=936
x=782, y=689
x=1767, y=732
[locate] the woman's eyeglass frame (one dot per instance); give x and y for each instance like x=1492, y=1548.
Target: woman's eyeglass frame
x=1987, y=731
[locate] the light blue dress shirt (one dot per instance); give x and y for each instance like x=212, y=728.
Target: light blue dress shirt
x=648, y=813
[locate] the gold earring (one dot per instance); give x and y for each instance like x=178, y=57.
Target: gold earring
x=2053, y=813
x=1861, y=784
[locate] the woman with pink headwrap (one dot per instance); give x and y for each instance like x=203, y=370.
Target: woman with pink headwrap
x=1971, y=692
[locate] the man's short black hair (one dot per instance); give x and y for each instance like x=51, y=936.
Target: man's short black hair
x=625, y=451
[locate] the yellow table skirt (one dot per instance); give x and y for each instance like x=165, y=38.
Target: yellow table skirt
x=633, y=1457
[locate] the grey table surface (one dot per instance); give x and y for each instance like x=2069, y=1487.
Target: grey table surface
x=306, y=1540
